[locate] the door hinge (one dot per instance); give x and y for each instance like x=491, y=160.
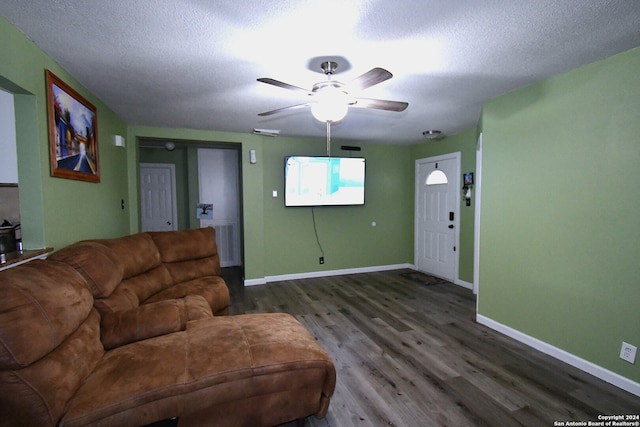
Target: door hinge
x=454, y=249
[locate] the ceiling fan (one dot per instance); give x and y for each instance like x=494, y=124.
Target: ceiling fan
x=331, y=99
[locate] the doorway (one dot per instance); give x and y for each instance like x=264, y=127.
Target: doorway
x=205, y=173
x=437, y=222
x=219, y=187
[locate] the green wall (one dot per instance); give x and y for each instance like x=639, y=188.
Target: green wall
x=465, y=143
x=346, y=233
x=560, y=235
x=279, y=240
x=56, y=211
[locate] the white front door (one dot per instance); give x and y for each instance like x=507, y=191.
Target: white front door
x=158, y=197
x=437, y=209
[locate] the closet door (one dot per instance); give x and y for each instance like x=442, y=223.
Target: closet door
x=158, y=210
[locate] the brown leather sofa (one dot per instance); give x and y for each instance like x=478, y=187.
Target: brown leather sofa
x=133, y=330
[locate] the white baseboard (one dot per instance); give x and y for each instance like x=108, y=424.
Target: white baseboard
x=313, y=274
x=464, y=284
x=573, y=360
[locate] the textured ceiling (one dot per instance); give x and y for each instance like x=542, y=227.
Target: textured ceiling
x=194, y=63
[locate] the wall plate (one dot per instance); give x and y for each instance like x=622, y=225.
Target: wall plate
x=628, y=352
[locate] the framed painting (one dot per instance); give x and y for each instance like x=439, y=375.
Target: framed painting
x=73, y=132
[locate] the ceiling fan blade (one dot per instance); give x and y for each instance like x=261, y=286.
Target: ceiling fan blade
x=283, y=85
x=380, y=104
x=292, y=107
x=370, y=78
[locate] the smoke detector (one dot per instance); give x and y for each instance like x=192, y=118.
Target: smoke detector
x=432, y=134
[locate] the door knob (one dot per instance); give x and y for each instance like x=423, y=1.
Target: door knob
x=168, y=222
x=450, y=225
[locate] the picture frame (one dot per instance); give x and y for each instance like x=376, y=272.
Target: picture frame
x=468, y=178
x=204, y=211
x=73, y=132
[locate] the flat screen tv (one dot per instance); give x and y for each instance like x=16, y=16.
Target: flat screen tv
x=323, y=181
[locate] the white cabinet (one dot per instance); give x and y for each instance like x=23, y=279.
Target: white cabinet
x=8, y=152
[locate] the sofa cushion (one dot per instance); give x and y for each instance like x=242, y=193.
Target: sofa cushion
x=123, y=298
x=49, y=341
x=151, y=320
x=183, y=271
x=185, y=244
x=37, y=394
x=196, y=308
x=43, y=300
x=213, y=288
x=96, y=263
x=256, y=364
x=143, y=272
x=188, y=254
x=137, y=253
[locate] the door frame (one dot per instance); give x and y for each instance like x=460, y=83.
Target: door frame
x=192, y=191
x=456, y=156
x=174, y=198
x=476, y=219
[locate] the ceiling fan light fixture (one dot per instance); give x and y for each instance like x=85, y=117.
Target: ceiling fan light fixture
x=331, y=104
x=330, y=99
x=329, y=113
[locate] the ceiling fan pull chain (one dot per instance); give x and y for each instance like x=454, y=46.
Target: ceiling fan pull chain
x=328, y=138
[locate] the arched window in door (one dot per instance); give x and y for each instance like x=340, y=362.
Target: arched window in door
x=437, y=177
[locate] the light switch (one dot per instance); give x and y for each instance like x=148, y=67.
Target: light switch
x=275, y=193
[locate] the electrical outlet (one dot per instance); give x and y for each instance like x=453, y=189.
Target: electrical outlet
x=628, y=352
x=321, y=260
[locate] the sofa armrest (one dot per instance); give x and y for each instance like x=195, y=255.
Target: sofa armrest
x=196, y=308
x=151, y=320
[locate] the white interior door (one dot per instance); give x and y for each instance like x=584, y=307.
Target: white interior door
x=158, y=209
x=218, y=176
x=437, y=212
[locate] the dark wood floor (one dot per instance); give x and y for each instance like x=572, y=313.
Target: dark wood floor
x=408, y=353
